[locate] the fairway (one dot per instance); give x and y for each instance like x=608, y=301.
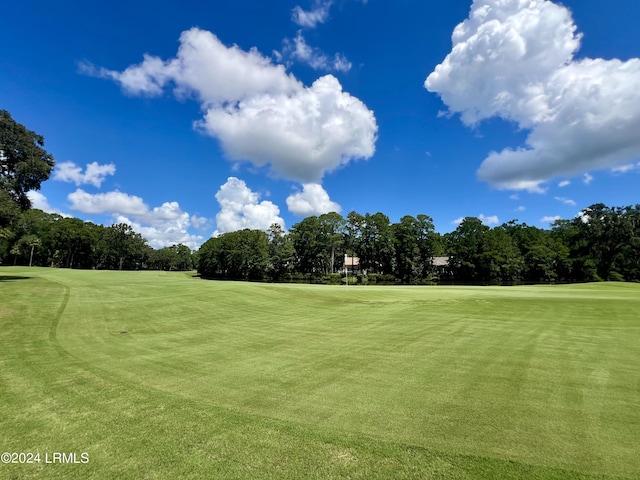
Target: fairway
x=161, y=375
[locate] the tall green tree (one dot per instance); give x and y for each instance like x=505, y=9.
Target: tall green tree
x=281, y=252
x=465, y=245
x=239, y=255
x=310, y=246
x=376, y=249
x=429, y=243
x=120, y=248
x=406, y=235
x=500, y=259
x=24, y=165
x=332, y=227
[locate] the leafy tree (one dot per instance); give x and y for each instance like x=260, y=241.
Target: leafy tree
x=627, y=258
x=175, y=257
x=310, y=246
x=429, y=243
x=184, y=257
x=500, y=259
x=24, y=165
x=406, y=235
x=376, y=249
x=120, y=247
x=281, y=252
x=239, y=255
x=465, y=245
x=546, y=258
x=6, y=235
x=16, y=251
x=332, y=227
x=31, y=242
x=9, y=209
x=74, y=243
x=354, y=227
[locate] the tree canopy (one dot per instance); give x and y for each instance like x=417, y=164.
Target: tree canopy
x=24, y=165
x=601, y=244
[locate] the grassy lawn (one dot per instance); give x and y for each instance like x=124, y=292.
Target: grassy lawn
x=241, y=380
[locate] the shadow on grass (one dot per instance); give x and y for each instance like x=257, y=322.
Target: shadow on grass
x=8, y=278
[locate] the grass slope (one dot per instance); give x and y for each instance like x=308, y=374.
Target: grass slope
x=239, y=380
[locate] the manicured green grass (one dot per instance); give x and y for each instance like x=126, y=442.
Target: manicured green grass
x=241, y=380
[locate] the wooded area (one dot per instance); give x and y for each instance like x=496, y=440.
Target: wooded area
x=602, y=243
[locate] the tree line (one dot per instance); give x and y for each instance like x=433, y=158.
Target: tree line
x=33, y=237
x=51, y=240
x=603, y=243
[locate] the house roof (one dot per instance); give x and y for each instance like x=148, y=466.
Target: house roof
x=440, y=261
x=351, y=261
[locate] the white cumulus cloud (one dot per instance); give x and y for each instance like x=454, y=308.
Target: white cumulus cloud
x=94, y=173
x=100, y=203
x=241, y=208
x=301, y=136
x=162, y=226
x=550, y=219
x=514, y=59
x=312, y=200
x=258, y=111
x=564, y=183
x=200, y=223
x=164, y=233
x=39, y=201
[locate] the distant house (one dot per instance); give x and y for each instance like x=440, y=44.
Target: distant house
x=351, y=264
x=441, y=265
x=440, y=261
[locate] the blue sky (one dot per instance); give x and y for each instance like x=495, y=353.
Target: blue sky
x=190, y=119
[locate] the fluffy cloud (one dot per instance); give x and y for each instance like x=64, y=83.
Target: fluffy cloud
x=564, y=183
x=204, y=67
x=109, y=202
x=298, y=50
x=629, y=167
x=241, y=208
x=256, y=110
x=312, y=200
x=39, y=201
x=94, y=173
x=311, y=18
x=301, y=136
x=514, y=59
x=566, y=201
x=166, y=233
x=489, y=220
x=550, y=219
x=200, y=223
x=318, y=14
x=162, y=226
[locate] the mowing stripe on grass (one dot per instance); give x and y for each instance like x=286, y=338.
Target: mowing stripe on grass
x=237, y=380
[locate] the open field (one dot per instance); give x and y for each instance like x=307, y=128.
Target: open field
x=240, y=380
